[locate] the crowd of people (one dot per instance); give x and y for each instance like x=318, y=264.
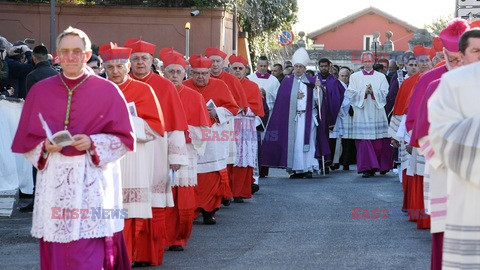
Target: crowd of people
x=158, y=142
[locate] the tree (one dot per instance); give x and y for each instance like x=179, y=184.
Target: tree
x=438, y=24
x=263, y=20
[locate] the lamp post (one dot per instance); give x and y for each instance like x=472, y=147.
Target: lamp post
x=376, y=35
x=52, y=26
x=187, y=40
x=234, y=30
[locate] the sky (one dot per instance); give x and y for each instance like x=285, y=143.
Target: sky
x=315, y=14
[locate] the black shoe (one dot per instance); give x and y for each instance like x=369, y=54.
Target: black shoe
x=140, y=264
x=27, y=209
x=297, y=175
x=334, y=167
x=238, y=200
x=346, y=168
x=383, y=172
x=208, y=218
x=366, y=175
x=226, y=202
x=327, y=170
x=308, y=175
x=175, y=248
x=22, y=195
x=255, y=188
x=262, y=176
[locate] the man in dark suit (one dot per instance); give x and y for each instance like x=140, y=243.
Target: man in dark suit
x=42, y=70
x=19, y=61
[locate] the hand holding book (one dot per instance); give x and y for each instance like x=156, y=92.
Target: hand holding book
x=61, y=138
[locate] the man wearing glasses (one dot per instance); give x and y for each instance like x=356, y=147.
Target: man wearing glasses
x=211, y=185
x=246, y=140
x=170, y=150
x=217, y=72
x=291, y=132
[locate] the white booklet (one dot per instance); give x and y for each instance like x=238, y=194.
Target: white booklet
x=62, y=138
x=132, y=108
x=211, y=104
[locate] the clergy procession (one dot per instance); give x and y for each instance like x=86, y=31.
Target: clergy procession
x=140, y=154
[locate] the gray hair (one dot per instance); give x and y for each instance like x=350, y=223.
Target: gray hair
x=4, y=44
x=70, y=31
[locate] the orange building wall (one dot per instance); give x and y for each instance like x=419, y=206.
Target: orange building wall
x=349, y=36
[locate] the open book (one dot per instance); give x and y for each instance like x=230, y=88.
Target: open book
x=211, y=104
x=62, y=138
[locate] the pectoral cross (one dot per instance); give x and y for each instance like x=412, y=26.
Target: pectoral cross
x=300, y=95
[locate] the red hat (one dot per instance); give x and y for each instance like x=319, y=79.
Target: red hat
x=112, y=52
x=138, y=45
x=451, y=34
x=474, y=24
x=173, y=59
x=197, y=61
x=168, y=51
x=419, y=50
x=437, y=44
x=214, y=51
x=432, y=53
x=234, y=59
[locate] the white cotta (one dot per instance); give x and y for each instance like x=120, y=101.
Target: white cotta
x=216, y=148
x=76, y=183
x=454, y=134
x=369, y=118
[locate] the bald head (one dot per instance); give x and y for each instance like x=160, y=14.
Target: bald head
x=344, y=75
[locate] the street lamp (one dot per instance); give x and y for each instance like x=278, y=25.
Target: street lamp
x=52, y=27
x=187, y=39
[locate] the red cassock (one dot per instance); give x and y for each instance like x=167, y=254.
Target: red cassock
x=254, y=98
x=235, y=88
x=213, y=186
x=169, y=101
x=146, y=103
x=239, y=95
x=411, y=200
x=402, y=101
x=217, y=91
x=179, y=219
x=142, y=243
x=242, y=177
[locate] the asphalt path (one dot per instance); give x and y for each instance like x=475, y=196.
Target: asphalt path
x=337, y=221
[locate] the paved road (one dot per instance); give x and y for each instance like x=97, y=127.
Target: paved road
x=289, y=224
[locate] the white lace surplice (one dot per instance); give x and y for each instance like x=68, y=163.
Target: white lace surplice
x=169, y=150
x=76, y=183
x=246, y=139
x=186, y=176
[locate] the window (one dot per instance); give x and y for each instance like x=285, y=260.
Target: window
x=367, y=42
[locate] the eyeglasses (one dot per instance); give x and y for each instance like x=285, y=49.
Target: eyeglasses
x=455, y=60
x=196, y=73
x=424, y=60
x=137, y=59
x=412, y=65
x=173, y=72
x=237, y=68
